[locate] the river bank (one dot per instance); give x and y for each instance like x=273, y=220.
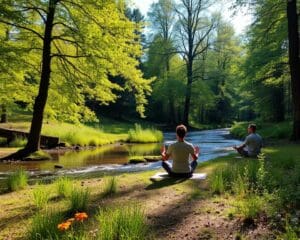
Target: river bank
x=174, y=209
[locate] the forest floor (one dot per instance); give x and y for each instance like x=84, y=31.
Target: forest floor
x=174, y=208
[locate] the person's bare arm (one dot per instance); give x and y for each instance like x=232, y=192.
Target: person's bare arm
x=196, y=153
x=240, y=147
x=164, y=155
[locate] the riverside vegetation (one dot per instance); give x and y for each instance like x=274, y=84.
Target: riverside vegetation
x=243, y=198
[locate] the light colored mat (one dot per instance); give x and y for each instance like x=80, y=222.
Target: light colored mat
x=164, y=175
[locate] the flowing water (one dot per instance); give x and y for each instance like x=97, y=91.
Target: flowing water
x=114, y=158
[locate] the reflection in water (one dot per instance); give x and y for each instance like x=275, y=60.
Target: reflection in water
x=213, y=143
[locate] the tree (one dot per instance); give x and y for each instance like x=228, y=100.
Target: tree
x=85, y=42
x=162, y=20
x=193, y=29
x=292, y=18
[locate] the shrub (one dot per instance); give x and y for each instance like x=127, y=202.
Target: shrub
x=110, y=186
x=251, y=206
x=17, y=180
x=122, y=223
x=79, y=200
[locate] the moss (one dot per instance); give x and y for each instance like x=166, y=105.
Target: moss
x=38, y=155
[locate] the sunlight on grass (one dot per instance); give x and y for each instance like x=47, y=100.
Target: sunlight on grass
x=17, y=180
x=122, y=222
x=140, y=135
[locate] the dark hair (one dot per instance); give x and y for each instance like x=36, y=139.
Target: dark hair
x=252, y=126
x=181, y=130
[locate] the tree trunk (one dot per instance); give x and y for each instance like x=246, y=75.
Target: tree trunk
x=188, y=93
x=40, y=101
x=3, y=114
x=294, y=62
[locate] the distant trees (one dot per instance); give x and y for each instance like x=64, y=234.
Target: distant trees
x=80, y=43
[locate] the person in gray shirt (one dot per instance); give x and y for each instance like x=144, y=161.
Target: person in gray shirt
x=252, y=145
x=180, y=152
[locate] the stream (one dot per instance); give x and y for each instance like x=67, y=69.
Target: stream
x=114, y=158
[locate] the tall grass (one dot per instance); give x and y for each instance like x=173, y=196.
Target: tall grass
x=64, y=186
x=44, y=226
x=17, y=180
x=140, y=135
x=110, y=186
x=79, y=199
x=122, y=223
x=81, y=135
x=18, y=142
x=40, y=197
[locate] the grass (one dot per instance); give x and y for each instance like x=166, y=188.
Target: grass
x=122, y=223
x=64, y=186
x=40, y=197
x=18, y=142
x=17, y=180
x=256, y=189
x=147, y=135
x=44, y=226
x=38, y=155
x=282, y=130
x=110, y=187
x=79, y=199
x=98, y=135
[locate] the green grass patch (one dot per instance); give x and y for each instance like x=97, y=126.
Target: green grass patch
x=282, y=130
x=110, y=186
x=44, y=226
x=79, y=199
x=63, y=186
x=144, y=135
x=40, y=197
x=18, y=142
x=17, y=180
x=38, y=155
x=122, y=223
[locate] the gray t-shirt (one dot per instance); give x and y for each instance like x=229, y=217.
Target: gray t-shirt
x=253, y=143
x=180, y=152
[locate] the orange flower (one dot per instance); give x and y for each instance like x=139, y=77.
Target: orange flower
x=81, y=216
x=71, y=220
x=64, y=226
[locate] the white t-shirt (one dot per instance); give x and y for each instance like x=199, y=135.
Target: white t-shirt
x=180, y=152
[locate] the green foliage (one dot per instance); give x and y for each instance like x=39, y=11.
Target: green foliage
x=79, y=199
x=17, y=180
x=140, y=135
x=123, y=223
x=64, y=186
x=281, y=130
x=250, y=206
x=18, y=142
x=40, y=197
x=217, y=182
x=44, y=226
x=110, y=187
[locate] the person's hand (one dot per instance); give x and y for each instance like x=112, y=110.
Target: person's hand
x=197, y=150
x=163, y=150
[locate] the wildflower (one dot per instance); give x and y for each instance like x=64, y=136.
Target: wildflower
x=64, y=226
x=81, y=216
x=71, y=220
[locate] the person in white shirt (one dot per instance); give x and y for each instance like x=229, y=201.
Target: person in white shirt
x=180, y=152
